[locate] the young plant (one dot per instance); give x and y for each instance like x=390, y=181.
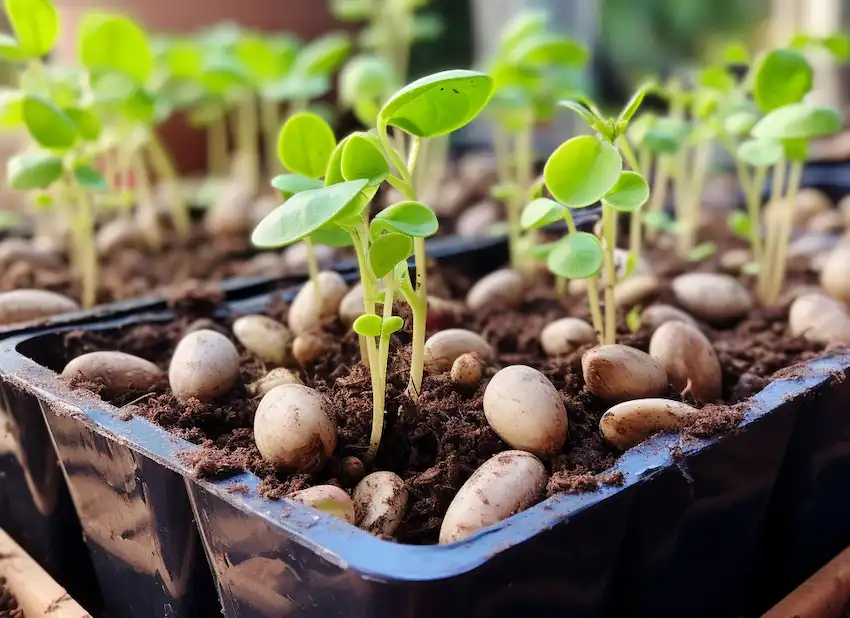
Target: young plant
x=582, y=171
x=354, y=171
x=533, y=69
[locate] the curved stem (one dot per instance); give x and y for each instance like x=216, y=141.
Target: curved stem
x=313, y=269
x=785, y=229
x=166, y=170
x=595, y=308
x=754, y=212
x=609, y=232
x=146, y=202
x=379, y=372
x=768, y=257
x=83, y=239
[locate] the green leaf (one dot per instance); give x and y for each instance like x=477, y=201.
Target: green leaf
x=717, y=78
x=117, y=44
x=298, y=88
x=113, y=88
x=760, y=152
x=633, y=105
x=438, y=104
x=351, y=10
x=740, y=224
x=362, y=157
x=630, y=193
x=410, y=218
x=588, y=116
x=258, y=57
x=640, y=127
x=633, y=318
x=702, y=252
x=35, y=24
x=541, y=212
x=10, y=51
x=333, y=174
x=324, y=55
x=839, y=46
x=304, y=213
x=222, y=75
x=290, y=184
x=541, y=252
x=582, y=170
x=504, y=191
x=751, y=269
x=631, y=264
x=666, y=136
x=368, y=325
x=365, y=78
x=660, y=221
x=33, y=171
x=782, y=77
x=740, y=123
x=735, y=53
x=387, y=251
x=48, y=125
x=305, y=145
x=796, y=149
x=391, y=325
x=89, y=178
x=799, y=121
x=543, y=49
x=523, y=25
x=87, y=122
x=332, y=236
x=11, y=109
x=576, y=256
x=184, y=59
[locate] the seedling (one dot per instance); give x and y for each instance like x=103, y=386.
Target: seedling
x=532, y=70
x=353, y=172
x=581, y=172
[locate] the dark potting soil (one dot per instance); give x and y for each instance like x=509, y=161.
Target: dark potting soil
x=8, y=603
x=436, y=445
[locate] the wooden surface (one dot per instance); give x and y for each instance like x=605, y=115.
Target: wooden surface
x=826, y=594
x=38, y=594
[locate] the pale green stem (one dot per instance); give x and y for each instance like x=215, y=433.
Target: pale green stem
x=270, y=121
x=83, y=227
x=609, y=232
x=164, y=166
x=313, y=269
x=786, y=228
x=249, y=149
x=217, y=146
x=146, y=203
x=769, y=257
x=754, y=211
x=370, y=291
x=595, y=308
x=379, y=372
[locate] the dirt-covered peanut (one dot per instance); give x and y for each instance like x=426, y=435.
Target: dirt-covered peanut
x=329, y=499
x=25, y=305
x=631, y=422
x=827, y=222
x=204, y=365
x=307, y=349
x=14, y=250
x=713, y=297
x=636, y=289
x=658, y=314
x=230, y=215
x=306, y=314
x=295, y=257
x=116, y=372
x=351, y=471
x=505, y=484
x=621, y=372
x=443, y=348
x=206, y=324
x=689, y=360
x=734, y=260
x=476, y=220
x=294, y=428
x=466, y=370
x=266, y=338
x=380, y=501
x=500, y=289
x=565, y=336
x=819, y=319
x=119, y=234
x=276, y=377
x=351, y=306
x=525, y=409
x=835, y=276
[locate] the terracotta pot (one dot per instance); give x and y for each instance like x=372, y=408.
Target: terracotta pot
x=306, y=19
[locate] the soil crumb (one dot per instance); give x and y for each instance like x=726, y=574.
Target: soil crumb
x=8, y=603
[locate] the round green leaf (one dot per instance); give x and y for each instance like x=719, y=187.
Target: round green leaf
x=117, y=44
x=760, y=152
x=87, y=122
x=438, y=104
x=799, y=121
x=739, y=124
x=576, y=256
x=391, y=325
x=365, y=78
x=582, y=171
x=290, y=184
x=304, y=213
x=324, y=55
x=411, y=218
x=258, y=57
x=541, y=252
x=661, y=221
x=630, y=193
x=388, y=250
x=717, y=78
x=183, y=59
x=89, y=178
x=666, y=136
x=541, y=212
x=305, y=145
x=35, y=24
x=33, y=171
x=48, y=125
x=782, y=77
x=298, y=88
x=544, y=48
x=222, y=74
x=368, y=325
x=362, y=157
x=332, y=236
x=333, y=174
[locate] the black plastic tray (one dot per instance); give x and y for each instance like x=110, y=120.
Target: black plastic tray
x=693, y=522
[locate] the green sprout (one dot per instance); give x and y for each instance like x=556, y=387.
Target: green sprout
x=581, y=172
x=532, y=70
x=353, y=171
